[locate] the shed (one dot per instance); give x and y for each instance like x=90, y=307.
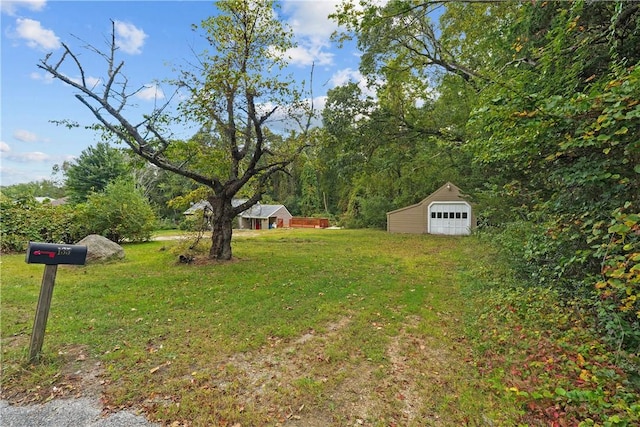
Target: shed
x=260, y=216
x=445, y=211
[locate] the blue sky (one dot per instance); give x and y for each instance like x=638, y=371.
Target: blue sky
x=153, y=36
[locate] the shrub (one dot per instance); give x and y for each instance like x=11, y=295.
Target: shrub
x=27, y=220
x=619, y=288
x=119, y=213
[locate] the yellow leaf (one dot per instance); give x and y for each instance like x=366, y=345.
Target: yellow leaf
x=584, y=375
x=580, y=360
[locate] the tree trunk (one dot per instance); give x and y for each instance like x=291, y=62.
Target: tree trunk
x=222, y=223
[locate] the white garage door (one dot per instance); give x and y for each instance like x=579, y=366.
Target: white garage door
x=449, y=218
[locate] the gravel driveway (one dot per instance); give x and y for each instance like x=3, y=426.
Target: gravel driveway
x=82, y=412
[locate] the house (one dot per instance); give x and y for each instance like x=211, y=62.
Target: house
x=256, y=217
x=445, y=211
x=260, y=216
x=204, y=204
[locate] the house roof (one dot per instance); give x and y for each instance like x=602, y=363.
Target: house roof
x=256, y=211
x=448, y=191
x=262, y=211
x=202, y=204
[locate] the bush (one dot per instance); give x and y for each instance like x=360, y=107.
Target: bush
x=119, y=213
x=26, y=220
x=619, y=288
x=367, y=212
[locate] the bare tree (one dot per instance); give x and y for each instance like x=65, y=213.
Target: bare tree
x=231, y=94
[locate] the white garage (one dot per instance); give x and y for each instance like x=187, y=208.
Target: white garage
x=445, y=211
x=452, y=218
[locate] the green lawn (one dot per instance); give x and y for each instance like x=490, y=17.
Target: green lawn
x=304, y=327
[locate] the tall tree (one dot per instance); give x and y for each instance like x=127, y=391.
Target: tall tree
x=233, y=92
x=94, y=169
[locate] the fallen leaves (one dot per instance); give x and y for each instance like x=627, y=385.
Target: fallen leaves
x=157, y=368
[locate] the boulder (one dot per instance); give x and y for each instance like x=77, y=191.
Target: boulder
x=100, y=248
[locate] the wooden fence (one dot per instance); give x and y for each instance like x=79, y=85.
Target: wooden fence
x=308, y=222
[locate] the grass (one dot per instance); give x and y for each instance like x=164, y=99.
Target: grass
x=304, y=327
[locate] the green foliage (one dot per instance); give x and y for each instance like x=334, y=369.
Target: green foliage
x=619, y=287
x=26, y=220
x=94, y=169
x=43, y=188
x=392, y=154
x=118, y=213
x=557, y=133
x=366, y=210
x=162, y=188
x=309, y=202
x=541, y=350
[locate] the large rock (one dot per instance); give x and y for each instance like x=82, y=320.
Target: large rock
x=101, y=249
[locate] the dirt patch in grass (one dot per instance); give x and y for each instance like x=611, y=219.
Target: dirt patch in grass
x=303, y=382
x=79, y=375
x=295, y=382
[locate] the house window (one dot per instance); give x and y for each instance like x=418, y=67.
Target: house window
x=433, y=214
x=464, y=215
x=452, y=215
x=446, y=215
x=457, y=215
x=439, y=214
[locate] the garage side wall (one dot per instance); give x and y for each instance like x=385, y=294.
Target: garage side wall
x=412, y=219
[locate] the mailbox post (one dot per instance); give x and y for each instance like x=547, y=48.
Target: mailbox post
x=51, y=255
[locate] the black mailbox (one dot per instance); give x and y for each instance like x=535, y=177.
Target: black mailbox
x=53, y=254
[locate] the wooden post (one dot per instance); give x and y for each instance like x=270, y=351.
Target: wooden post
x=42, y=311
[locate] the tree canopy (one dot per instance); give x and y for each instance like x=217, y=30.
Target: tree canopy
x=95, y=168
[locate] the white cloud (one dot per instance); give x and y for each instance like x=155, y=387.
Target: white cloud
x=342, y=77
x=150, y=92
x=11, y=6
x=36, y=157
x=4, y=147
x=43, y=77
x=33, y=156
x=312, y=28
x=347, y=75
x=129, y=38
x=11, y=176
x=311, y=18
x=319, y=103
x=25, y=136
x=91, y=82
x=36, y=36
x=307, y=54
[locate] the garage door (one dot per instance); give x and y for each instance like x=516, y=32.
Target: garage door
x=452, y=218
